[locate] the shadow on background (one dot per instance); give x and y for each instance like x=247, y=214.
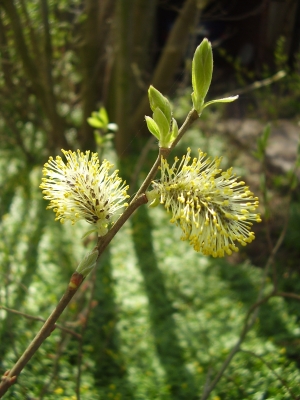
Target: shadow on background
x=168, y=349
x=9, y=325
x=244, y=290
x=110, y=370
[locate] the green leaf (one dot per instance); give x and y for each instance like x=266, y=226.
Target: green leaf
x=152, y=127
x=157, y=100
x=95, y=122
x=174, y=129
x=202, y=68
x=98, y=138
x=225, y=100
x=88, y=263
x=102, y=115
x=162, y=122
x=172, y=135
x=153, y=198
x=197, y=103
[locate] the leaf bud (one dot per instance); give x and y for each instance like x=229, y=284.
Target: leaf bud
x=88, y=263
x=157, y=100
x=202, y=68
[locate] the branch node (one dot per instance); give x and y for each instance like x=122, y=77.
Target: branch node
x=75, y=281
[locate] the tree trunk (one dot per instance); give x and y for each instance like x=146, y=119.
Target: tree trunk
x=41, y=82
x=93, y=49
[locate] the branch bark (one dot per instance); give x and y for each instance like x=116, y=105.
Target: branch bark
x=32, y=317
x=10, y=377
x=139, y=199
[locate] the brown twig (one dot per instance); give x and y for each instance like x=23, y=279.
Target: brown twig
x=249, y=322
x=84, y=326
x=257, y=84
x=28, y=316
x=10, y=377
x=253, y=310
x=192, y=116
x=104, y=241
x=140, y=162
x=282, y=381
x=139, y=199
x=289, y=295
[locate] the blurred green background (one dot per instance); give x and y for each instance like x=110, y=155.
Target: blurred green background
x=157, y=319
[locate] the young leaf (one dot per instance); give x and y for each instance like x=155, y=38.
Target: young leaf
x=157, y=100
x=202, y=68
x=162, y=122
x=95, y=122
x=225, y=100
x=102, y=115
x=153, y=127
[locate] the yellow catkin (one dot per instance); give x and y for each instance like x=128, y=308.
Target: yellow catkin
x=214, y=210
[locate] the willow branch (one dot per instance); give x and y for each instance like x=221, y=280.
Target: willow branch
x=140, y=197
x=282, y=381
x=104, y=241
x=141, y=160
x=288, y=295
x=83, y=330
x=10, y=376
x=257, y=84
x=33, y=318
x=191, y=117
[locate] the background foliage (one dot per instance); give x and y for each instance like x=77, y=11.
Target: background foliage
x=156, y=319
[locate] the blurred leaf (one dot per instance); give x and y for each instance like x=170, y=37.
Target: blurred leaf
x=95, y=123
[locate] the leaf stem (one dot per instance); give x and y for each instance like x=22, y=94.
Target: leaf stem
x=164, y=152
